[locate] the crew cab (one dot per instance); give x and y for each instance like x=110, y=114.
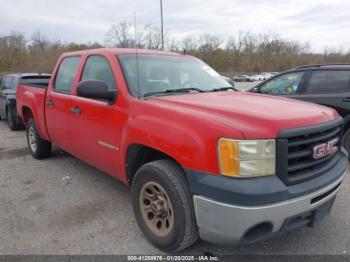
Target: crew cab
x=201, y=160
x=8, y=87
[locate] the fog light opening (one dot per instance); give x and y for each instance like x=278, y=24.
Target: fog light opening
x=258, y=232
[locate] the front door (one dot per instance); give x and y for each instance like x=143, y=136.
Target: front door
x=95, y=126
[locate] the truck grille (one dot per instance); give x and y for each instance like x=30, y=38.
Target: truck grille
x=295, y=161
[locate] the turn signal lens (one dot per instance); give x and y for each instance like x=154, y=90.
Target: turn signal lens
x=228, y=153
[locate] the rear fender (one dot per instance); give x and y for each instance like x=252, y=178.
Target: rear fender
x=36, y=112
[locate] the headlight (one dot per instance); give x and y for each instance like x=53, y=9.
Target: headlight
x=247, y=158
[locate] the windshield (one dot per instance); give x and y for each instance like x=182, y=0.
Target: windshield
x=161, y=74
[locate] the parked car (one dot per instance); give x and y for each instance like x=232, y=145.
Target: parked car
x=228, y=167
x=8, y=87
x=242, y=78
x=259, y=77
x=326, y=84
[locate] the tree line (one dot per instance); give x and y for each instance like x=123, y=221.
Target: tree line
x=243, y=53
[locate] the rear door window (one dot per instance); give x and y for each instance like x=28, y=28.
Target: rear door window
x=66, y=74
x=328, y=81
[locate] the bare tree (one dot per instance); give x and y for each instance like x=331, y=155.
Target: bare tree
x=190, y=43
x=209, y=43
x=119, y=35
x=152, y=37
x=39, y=42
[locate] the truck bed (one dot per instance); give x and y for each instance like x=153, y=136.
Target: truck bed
x=32, y=96
x=40, y=81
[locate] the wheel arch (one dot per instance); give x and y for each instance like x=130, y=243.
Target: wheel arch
x=138, y=155
x=26, y=114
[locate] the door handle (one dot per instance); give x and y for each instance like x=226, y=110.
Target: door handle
x=75, y=110
x=50, y=103
x=346, y=99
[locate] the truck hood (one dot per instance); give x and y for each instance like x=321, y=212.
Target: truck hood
x=254, y=115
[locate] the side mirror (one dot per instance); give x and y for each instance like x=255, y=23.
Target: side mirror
x=96, y=89
x=255, y=90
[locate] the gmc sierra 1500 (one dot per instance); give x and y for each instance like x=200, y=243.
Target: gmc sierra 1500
x=201, y=160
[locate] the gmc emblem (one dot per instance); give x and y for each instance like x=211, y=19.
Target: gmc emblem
x=325, y=149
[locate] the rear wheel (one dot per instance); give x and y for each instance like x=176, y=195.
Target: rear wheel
x=39, y=148
x=163, y=206
x=11, y=121
x=346, y=141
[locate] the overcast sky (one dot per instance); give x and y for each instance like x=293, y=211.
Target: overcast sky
x=322, y=23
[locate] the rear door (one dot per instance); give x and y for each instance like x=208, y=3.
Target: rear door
x=329, y=88
x=58, y=102
x=95, y=125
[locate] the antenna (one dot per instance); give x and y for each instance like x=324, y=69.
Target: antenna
x=137, y=58
x=161, y=23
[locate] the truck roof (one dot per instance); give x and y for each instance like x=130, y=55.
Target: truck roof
x=118, y=51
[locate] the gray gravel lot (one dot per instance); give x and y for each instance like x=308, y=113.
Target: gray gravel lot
x=90, y=213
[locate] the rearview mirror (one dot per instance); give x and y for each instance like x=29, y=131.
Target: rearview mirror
x=96, y=89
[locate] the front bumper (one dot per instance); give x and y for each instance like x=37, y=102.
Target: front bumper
x=228, y=224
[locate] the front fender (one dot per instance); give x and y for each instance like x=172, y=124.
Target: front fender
x=185, y=144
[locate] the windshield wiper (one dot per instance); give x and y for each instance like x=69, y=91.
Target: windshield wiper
x=223, y=89
x=177, y=90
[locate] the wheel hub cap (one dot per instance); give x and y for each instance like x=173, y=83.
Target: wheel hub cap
x=156, y=209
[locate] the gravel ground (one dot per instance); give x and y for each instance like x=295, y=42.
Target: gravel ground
x=63, y=206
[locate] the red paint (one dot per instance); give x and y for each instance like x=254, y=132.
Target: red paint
x=185, y=127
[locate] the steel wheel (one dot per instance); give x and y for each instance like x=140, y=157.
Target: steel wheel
x=32, y=139
x=156, y=209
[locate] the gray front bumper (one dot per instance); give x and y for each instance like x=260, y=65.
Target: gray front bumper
x=228, y=224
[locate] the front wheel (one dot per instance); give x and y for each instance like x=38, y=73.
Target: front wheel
x=163, y=206
x=39, y=148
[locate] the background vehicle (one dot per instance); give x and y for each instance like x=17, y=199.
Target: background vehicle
x=8, y=87
x=327, y=85
x=163, y=124
x=242, y=78
x=259, y=77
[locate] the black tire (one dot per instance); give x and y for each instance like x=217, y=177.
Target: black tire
x=39, y=148
x=346, y=141
x=11, y=121
x=170, y=177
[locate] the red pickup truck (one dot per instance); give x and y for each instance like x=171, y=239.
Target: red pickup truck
x=201, y=160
